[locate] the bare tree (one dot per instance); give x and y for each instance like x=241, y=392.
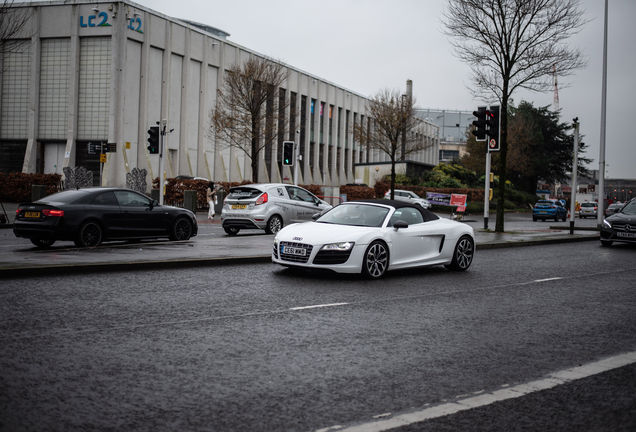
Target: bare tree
x=393, y=128
x=250, y=110
x=510, y=45
x=12, y=22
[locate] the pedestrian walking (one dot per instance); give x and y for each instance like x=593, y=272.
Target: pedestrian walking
x=211, y=198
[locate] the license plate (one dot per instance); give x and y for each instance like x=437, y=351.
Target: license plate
x=239, y=206
x=628, y=235
x=294, y=251
x=32, y=214
x=542, y=212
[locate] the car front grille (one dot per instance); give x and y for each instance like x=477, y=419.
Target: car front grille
x=332, y=257
x=624, y=227
x=295, y=258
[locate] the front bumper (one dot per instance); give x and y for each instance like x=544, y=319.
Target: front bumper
x=611, y=234
x=350, y=262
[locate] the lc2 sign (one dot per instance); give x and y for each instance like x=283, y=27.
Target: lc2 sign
x=91, y=21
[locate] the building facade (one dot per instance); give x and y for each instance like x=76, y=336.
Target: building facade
x=91, y=73
x=453, y=125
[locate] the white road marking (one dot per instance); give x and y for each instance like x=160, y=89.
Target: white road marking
x=551, y=380
x=318, y=306
x=549, y=279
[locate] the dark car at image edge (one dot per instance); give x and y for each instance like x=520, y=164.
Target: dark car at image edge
x=92, y=215
x=621, y=226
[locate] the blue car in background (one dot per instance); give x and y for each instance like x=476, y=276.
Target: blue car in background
x=549, y=209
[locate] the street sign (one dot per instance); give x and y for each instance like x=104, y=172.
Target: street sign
x=110, y=147
x=458, y=200
x=492, y=143
x=94, y=148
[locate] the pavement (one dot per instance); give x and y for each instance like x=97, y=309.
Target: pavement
x=19, y=258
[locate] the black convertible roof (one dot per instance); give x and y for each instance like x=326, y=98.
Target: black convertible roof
x=426, y=214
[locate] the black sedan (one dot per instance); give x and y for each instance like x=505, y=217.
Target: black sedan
x=93, y=215
x=621, y=226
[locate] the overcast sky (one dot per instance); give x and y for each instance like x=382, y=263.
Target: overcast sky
x=368, y=45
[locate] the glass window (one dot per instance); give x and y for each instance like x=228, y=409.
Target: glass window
x=107, y=198
x=131, y=199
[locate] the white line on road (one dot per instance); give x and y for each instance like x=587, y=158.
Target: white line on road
x=551, y=380
x=318, y=306
x=548, y=279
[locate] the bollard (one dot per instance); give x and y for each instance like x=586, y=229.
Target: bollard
x=190, y=200
x=220, y=196
x=37, y=192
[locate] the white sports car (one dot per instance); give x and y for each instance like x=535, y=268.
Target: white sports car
x=374, y=236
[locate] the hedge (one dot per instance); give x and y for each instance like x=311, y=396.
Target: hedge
x=18, y=187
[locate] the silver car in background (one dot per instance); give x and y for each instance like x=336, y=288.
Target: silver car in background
x=268, y=207
x=588, y=209
x=408, y=196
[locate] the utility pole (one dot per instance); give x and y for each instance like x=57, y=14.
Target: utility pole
x=575, y=169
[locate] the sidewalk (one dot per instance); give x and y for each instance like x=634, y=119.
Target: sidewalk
x=208, y=249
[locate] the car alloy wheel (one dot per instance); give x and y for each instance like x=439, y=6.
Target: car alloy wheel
x=463, y=254
x=274, y=225
x=43, y=243
x=376, y=260
x=90, y=235
x=181, y=230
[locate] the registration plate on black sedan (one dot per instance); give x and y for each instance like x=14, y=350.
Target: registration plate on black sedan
x=294, y=251
x=624, y=234
x=32, y=214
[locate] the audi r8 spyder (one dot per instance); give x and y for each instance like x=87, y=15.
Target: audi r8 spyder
x=375, y=236
x=92, y=215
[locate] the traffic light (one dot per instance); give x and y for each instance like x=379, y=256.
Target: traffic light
x=492, y=129
x=480, y=123
x=288, y=153
x=153, y=140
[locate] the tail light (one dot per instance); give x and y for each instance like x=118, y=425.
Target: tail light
x=53, y=212
x=262, y=199
x=18, y=210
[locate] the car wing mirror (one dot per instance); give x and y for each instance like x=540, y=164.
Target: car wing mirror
x=400, y=224
x=315, y=216
x=153, y=204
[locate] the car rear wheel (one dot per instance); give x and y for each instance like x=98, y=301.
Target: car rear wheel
x=606, y=242
x=376, y=260
x=90, y=235
x=463, y=254
x=42, y=243
x=274, y=224
x=181, y=230
x=232, y=231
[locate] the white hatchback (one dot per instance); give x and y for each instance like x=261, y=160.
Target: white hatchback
x=408, y=196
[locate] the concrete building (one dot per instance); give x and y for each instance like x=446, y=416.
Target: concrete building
x=104, y=72
x=453, y=125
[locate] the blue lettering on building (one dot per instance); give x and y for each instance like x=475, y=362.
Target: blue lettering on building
x=94, y=20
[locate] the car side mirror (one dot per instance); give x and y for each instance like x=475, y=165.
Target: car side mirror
x=400, y=224
x=153, y=204
x=315, y=216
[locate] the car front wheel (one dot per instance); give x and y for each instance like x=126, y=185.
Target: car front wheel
x=376, y=260
x=181, y=230
x=42, y=243
x=90, y=235
x=274, y=224
x=463, y=254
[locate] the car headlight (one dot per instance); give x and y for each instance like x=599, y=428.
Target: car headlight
x=345, y=246
x=276, y=242
x=607, y=224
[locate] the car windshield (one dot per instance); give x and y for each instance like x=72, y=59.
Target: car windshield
x=355, y=214
x=630, y=208
x=545, y=202
x=588, y=205
x=64, y=197
x=244, y=193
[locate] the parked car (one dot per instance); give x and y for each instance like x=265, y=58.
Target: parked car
x=268, y=207
x=408, y=196
x=375, y=236
x=93, y=215
x=588, y=209
x=549, y=209
x=613, y=208
x=621, y=226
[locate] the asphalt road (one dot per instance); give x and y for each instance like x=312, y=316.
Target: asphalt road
x=263, y=348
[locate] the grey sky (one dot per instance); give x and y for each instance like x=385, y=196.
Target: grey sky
x=368, y=45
